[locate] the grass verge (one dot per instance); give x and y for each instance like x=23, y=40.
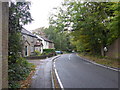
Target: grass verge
x=115, y=63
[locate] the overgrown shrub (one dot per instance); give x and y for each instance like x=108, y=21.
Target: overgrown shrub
x=48, y=50
x=18, y=68
x=37, y=53
x=18, y=71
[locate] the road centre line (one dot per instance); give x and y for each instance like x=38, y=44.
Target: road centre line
x=69, y=56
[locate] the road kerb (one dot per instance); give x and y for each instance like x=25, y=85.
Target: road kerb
x=52, y=78
x=57, y=76
x=117, y=70
x=53, y=86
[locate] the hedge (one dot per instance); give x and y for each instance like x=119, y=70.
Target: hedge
x=48, y=50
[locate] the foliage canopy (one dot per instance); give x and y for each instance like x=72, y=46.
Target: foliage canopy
x=18, y=67
x=93, y=25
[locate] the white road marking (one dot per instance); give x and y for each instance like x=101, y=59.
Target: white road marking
x=58, y=78
x=69, y=56
x=54, y=64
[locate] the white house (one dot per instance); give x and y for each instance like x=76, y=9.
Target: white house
x=47, y=44
x=39, y=46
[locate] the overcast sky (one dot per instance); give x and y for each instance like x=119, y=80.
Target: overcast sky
x=40, y=11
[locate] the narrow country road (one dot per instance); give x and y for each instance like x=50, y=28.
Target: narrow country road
x=77, y=73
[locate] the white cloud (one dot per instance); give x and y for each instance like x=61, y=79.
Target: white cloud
x=40, y=10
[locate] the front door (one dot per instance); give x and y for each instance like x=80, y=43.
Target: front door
x=26, y=49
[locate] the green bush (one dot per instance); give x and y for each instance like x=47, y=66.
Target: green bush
x=37, y=53
x=18, y=71
x=18, y=68
x=44, y=53
x=14, y=84
x=48, y=50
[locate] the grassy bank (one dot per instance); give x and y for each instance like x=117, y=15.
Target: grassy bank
x=115, y=63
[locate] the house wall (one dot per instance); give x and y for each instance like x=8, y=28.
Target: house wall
x=4, y=45
x=114, y=49
x=41, y=49
x=51, y=45
x=45, y=44
x=31, y=41
x=37, y=48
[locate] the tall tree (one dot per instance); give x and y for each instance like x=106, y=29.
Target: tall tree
x=19, y=15
x=91, y=23
x=60, y=39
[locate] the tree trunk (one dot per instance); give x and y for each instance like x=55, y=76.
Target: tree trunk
x=102, y=50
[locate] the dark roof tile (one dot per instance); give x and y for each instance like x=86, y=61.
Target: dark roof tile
x=26, y=32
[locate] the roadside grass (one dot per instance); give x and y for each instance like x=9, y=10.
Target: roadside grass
x=115, y=63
